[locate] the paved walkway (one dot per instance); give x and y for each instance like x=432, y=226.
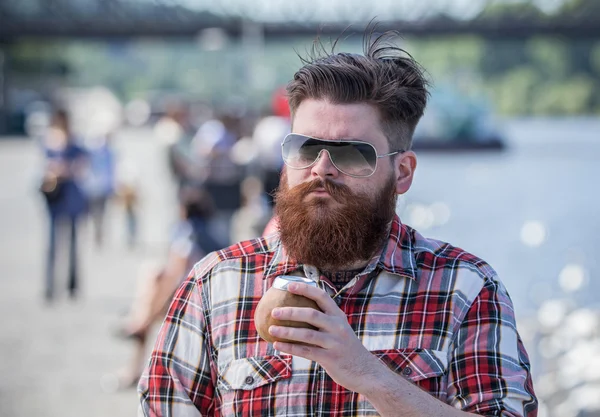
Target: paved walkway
x=60, y=360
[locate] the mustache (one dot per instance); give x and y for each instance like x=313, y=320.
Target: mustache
x=339, y=192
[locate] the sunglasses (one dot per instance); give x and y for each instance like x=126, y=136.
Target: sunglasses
x=351, y=157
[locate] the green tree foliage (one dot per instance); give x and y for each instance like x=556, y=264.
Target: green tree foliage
x=540, y=76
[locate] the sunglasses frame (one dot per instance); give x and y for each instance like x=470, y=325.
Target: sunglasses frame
x=331, y=159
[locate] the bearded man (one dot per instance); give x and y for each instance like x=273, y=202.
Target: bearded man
x=406, y=326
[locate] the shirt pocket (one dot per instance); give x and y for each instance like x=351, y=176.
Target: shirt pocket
x=251, y=386
x=415, y=364
x=426, y=368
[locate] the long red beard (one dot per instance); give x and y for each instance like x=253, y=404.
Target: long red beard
x=332, y=238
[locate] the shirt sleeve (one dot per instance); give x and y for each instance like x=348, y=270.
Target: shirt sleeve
x=179, y=379
x=489, y=371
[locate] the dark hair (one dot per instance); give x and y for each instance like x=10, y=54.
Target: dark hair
x=61, y=117
x=196, y=202
x=386, y=77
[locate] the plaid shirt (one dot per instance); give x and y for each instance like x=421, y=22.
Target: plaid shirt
x=433, y=313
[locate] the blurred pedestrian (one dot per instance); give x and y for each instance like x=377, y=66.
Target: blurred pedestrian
x=100, y=182
x=250, y=220
x=190, y=242
x=65, y=166
x=215, y=169
x=268, y=134
x=128, y=194
x=175, y=131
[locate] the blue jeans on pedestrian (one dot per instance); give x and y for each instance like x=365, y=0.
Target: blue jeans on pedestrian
x=62, y=226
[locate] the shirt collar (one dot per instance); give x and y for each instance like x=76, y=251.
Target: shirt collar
x=281, y=263
x=398, y=254
x=396, y=257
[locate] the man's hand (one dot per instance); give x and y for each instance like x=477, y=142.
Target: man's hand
x=334, y=345
x=337, y=349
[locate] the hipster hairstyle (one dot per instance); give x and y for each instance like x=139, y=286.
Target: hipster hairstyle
x=385, y=76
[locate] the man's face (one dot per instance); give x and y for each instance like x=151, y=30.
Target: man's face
x=327, y=218
x=323, y=120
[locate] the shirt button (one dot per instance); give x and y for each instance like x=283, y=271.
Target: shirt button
x=406, y=371
x=249, y=380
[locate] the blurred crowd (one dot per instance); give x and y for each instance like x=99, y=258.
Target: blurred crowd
x=224, y=168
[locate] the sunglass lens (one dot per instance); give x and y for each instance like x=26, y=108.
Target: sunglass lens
x=299, y=151
x=352, y=158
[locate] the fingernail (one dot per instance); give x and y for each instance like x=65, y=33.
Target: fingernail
x=276, y=312
x=293, y=286
x=273, y=330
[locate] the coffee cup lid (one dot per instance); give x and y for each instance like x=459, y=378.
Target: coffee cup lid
x=281, y=282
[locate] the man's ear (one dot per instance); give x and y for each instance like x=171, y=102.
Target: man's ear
x=405, y=165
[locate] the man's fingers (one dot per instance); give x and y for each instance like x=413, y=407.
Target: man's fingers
x=304, y=315
x=304, y=351
x=300, y=335
x=319, y=296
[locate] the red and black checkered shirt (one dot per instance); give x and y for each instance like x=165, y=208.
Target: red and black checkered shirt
x=433, y=313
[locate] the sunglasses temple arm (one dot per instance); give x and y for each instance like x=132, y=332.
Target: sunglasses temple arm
x=389, y=154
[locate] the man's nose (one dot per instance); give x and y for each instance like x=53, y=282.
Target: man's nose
x=324, y=167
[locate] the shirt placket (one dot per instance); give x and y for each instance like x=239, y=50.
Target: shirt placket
x=325, y=384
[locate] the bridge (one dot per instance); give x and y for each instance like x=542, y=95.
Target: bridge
x=265, y=19
x=186, y=18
